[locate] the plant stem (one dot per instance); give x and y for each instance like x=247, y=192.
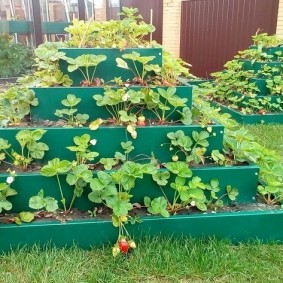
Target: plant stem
x=72, y=201
x=83, y=74
x=92, y=77
x=61, y=192
x=136, y=70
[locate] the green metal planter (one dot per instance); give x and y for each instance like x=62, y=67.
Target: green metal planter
x=250, y=119
x=50, y=100
x=29, y=184
x=108, y=69
x=236, y=226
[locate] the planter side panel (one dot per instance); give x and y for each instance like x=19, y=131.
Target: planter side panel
x=149, y=140
x=250, y=119
x=28, y=185
x=108, y=70
x=50, y=100
x=238, y=227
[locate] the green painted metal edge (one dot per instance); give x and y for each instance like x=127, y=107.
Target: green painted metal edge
x=250, y=119
x=54, y=27
x=236, y=226
x=149, y=140
x=108, y=69
x=29, y=184
x=20, y=27
x=50, y=99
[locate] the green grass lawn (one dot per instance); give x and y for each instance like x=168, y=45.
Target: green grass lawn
x=157, y=259
x=154, y=260
x=270, y=136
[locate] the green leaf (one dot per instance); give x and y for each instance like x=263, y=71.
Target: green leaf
x=71, y=100
x=127, y=146
x=56, y=166
x=95, y=196
x=4, y=144
x=94, y=125
x=5, y=204
x=121, y=207
x=159, y=206
x=179, y=168
x=232, y=192
x=36, y=202
x=161, y=177
x=197, y=194
x=122, y=63
x=26, y=216
x=108, y=163
x=147, y=201
x=201, y=206
x=51, y=204
x=186, y=116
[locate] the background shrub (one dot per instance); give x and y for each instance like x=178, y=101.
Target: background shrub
x=15, y=59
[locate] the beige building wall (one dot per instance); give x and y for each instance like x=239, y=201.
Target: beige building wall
x=172, y=25
x=280, y=19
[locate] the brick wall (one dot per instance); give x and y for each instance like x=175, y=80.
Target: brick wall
x=171, y=25
x=280, y=19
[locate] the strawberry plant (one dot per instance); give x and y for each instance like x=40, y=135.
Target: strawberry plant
x=83, y=63
x=5, y=192
x=137, y=60
x=68, y=114
x=15, y=105
x=54, y=168
x=81, y=148
x=39, y=201
x=31, y=148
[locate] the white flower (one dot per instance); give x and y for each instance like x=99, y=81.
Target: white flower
x=126, y=85
x=93, y=142
x=10, y=180
x=125, y=97
x=193, y=203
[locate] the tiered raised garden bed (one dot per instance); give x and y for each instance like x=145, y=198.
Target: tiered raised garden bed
x=260, y=64
x=87, y=232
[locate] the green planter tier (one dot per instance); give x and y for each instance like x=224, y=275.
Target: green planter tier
x=50, y=100
x=273, y=50
x=250, y=119
x=237, y=226
x=29, y=184
x=257, y=66
x=108, y=70
x=274, y=99
x=148, y=141
x=261, y=84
